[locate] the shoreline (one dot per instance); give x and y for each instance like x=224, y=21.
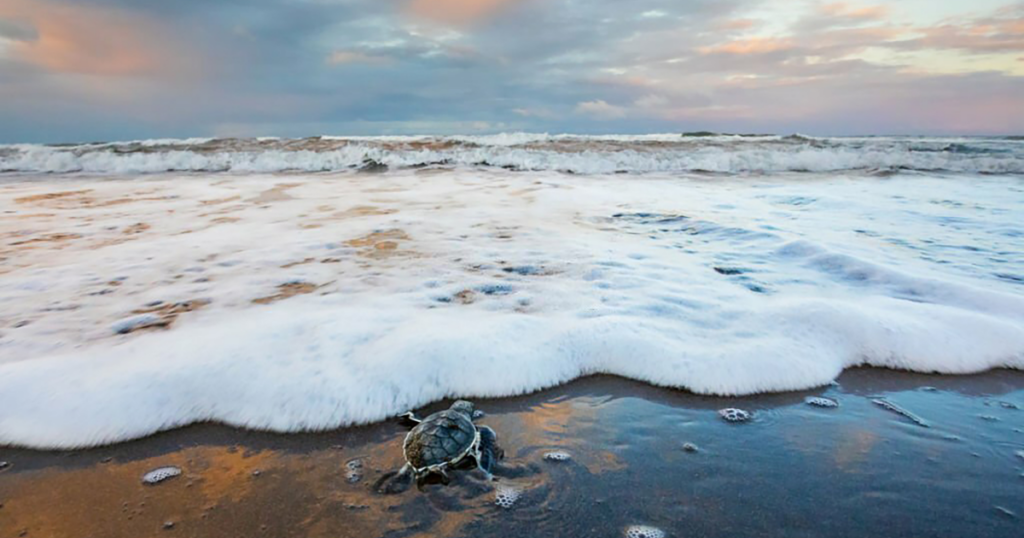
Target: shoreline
x=622, y=435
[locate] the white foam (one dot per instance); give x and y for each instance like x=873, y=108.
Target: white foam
x=433, y=315
x=538, y=152
x=643, y=531
x=821, y=402
x=732, y=414
x=557, y=455
x=506, y=496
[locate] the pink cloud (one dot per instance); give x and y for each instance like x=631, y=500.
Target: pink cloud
x=457, y=11
x=342, y=57
x=92, y=40
x=845, y=10
x=753, y=45
x=738, y=24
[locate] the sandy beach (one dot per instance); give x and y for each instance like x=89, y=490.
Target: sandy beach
x=794, y=470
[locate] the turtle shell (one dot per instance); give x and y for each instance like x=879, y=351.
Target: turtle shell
x=444, y=437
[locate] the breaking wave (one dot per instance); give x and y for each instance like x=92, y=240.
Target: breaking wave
x=705, y=152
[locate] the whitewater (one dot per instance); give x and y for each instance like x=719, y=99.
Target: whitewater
x=309, y=284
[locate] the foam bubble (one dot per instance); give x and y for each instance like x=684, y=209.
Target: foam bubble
x=557, y=455
x=817, y=401
x=159, y=475
x=734, y=415
x=506, y=496
x=643, y=531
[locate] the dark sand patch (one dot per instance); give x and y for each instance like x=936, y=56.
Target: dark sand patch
x=363, y=211
x=794, y=470
x=136, y=228
x=290, y=289
x=59, y=238
x=278, y=193
x=380, y=244
x=36, y=198
x=164, y=314
x=218, y=201
x=300, y=262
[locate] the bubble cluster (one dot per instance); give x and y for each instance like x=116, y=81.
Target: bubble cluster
x=734, y=415
x=159, y=475
x=354, y=470
x=506, y=496
x=817, y=401
x=557, y=455
x=644, y=531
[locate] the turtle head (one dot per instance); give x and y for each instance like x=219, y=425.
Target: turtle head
x=465, y=407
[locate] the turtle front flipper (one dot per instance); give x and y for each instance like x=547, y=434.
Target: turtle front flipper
x=395, y=482
x=410, y=418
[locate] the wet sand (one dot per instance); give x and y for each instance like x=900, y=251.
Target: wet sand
x=794, y=470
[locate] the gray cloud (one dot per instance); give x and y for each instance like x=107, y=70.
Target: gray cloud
x=296, y=68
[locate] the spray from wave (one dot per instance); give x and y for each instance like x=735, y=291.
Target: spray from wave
x=695, y=152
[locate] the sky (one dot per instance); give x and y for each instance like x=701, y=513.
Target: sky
x=89, y=70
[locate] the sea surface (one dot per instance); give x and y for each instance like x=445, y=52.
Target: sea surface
x=310, y=284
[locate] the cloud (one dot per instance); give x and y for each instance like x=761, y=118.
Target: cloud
x=457, y=11
x=847, y=11
x=753, y=45
x=651, y=101
x=91, y=40
x=534, y=113
x=600, y=109
x=341, y=57
x=101, y=69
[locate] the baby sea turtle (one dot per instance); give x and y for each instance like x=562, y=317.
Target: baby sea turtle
x=441, y=441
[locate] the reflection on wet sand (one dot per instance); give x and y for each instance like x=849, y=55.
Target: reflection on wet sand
x=796, y=470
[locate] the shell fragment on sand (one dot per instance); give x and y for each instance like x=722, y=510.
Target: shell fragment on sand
x=160, y=474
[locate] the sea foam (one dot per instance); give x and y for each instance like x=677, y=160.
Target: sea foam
x=831, y=272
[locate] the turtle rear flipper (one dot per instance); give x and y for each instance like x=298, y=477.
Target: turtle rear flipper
x=488, y=452
x=395, y=482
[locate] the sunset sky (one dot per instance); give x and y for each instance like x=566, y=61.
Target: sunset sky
x=78, y=70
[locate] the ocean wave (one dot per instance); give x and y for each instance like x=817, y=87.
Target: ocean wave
x=134, y=307
x=664, y=153
x=320, y=364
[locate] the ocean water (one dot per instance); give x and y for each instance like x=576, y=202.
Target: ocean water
x=309, y=284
